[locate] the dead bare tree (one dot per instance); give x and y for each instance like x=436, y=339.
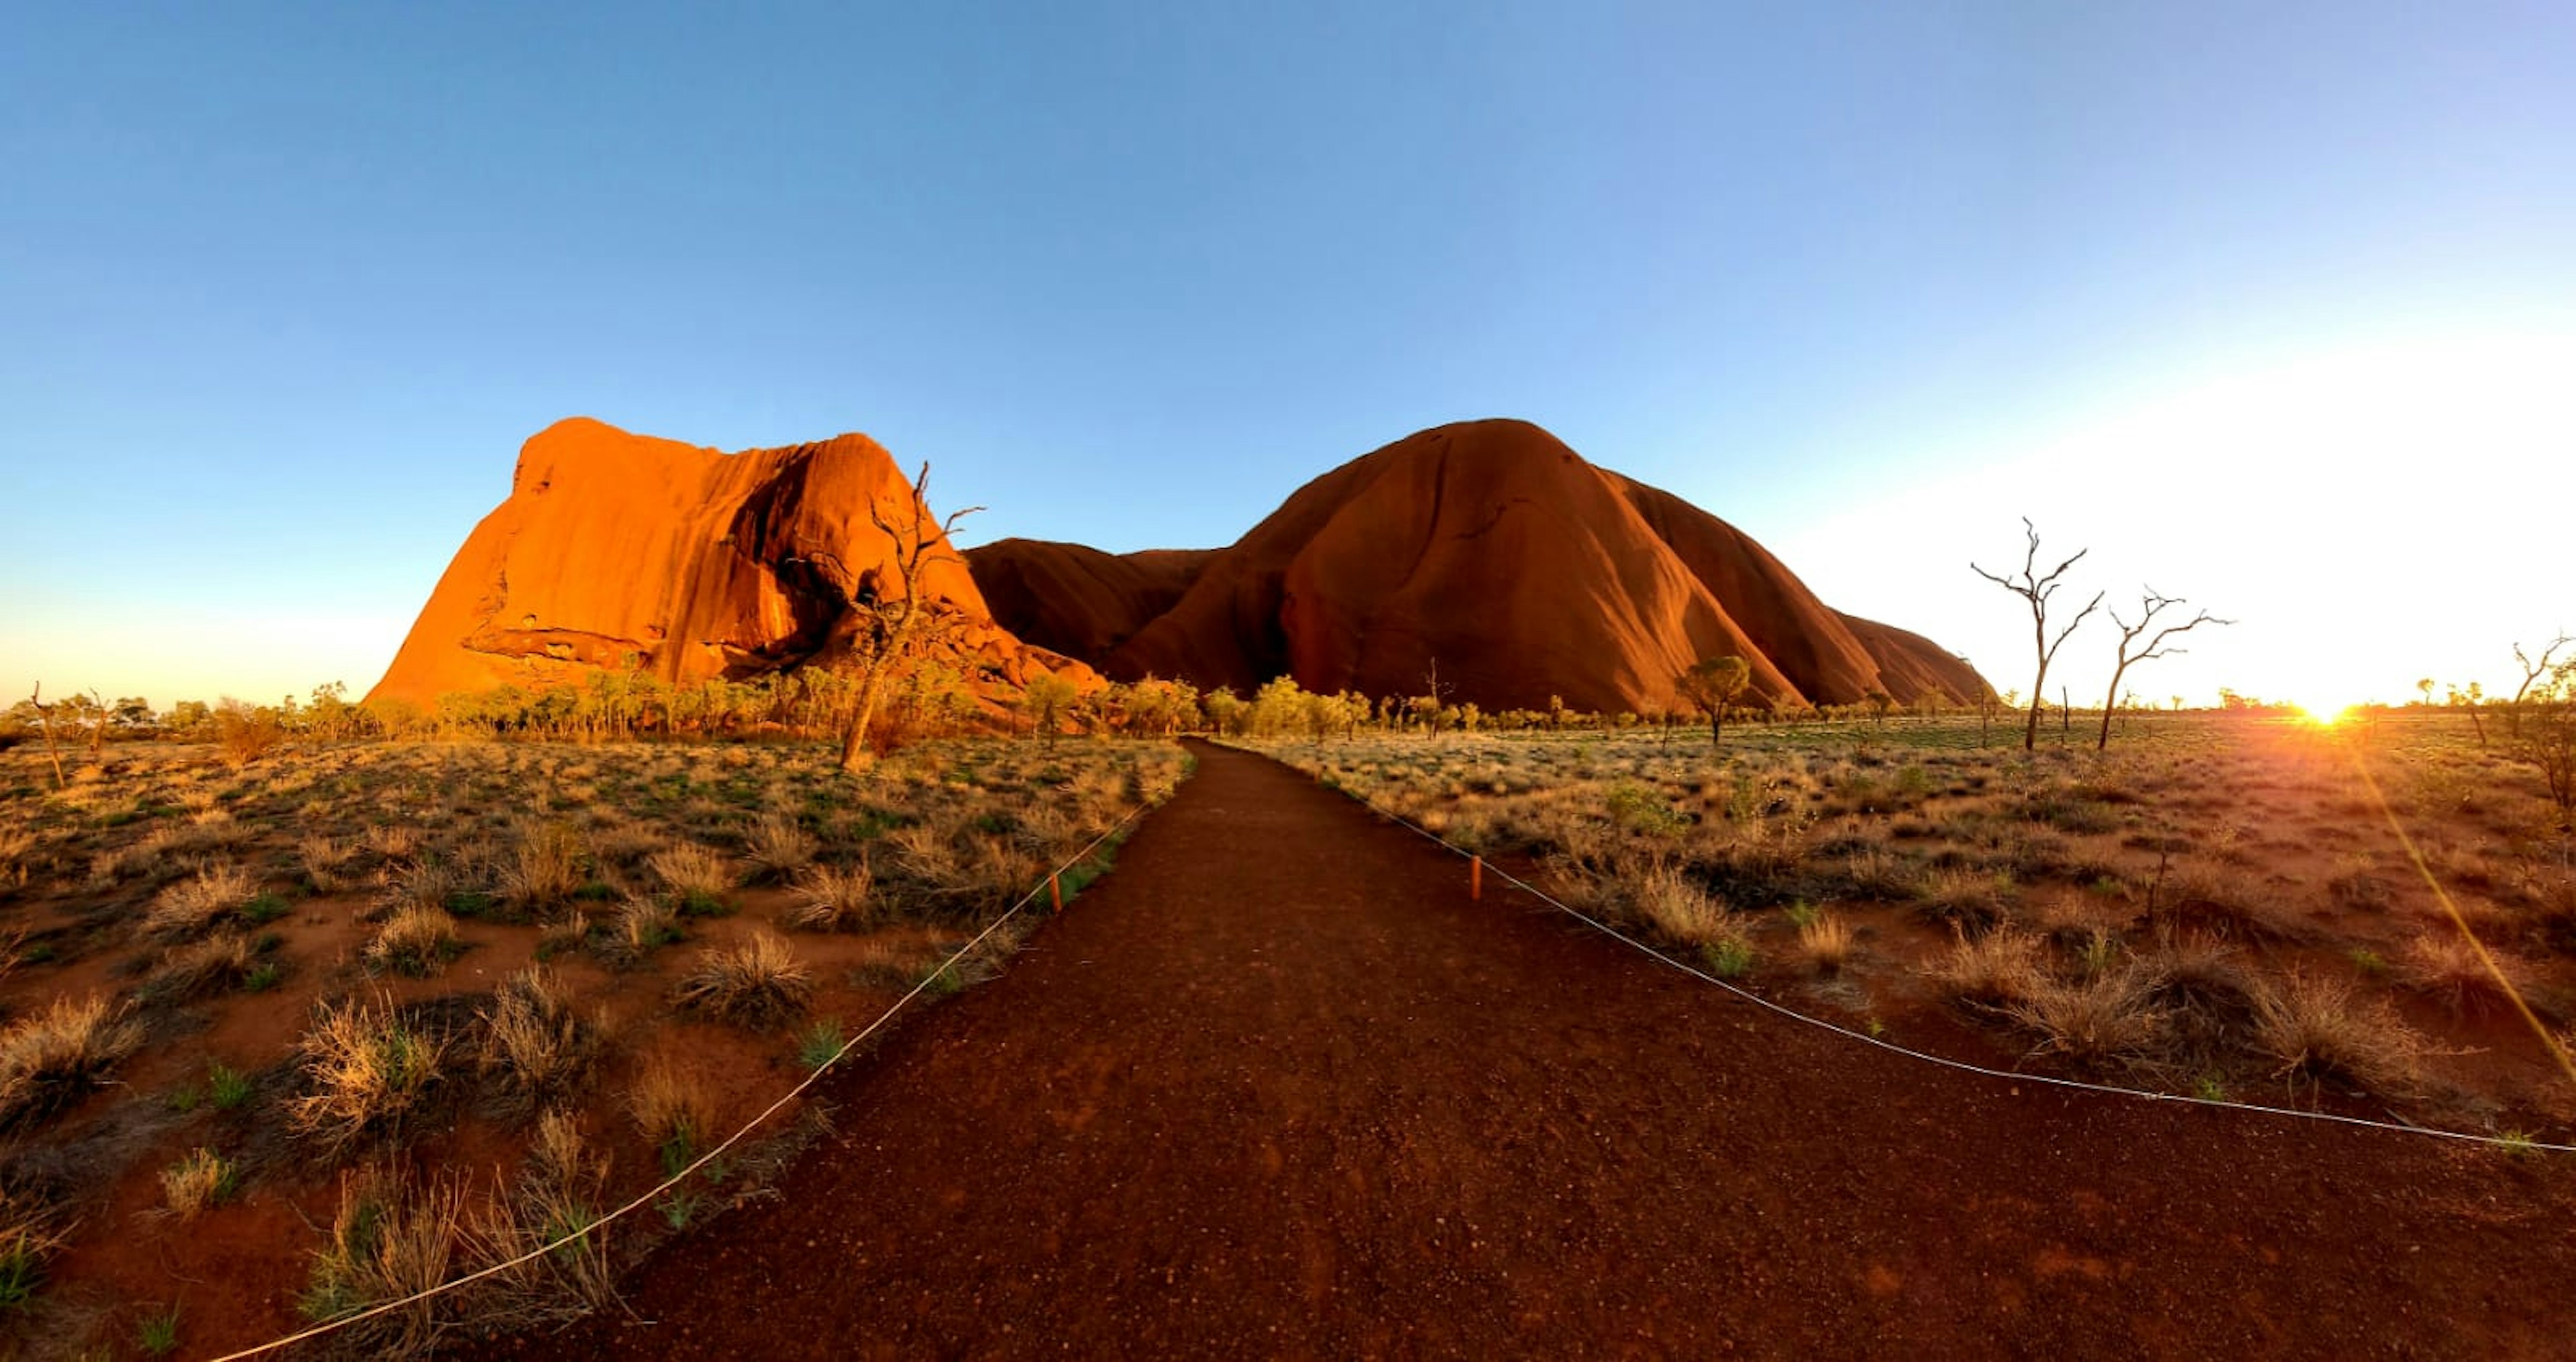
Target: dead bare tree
x=2156, y=644
x=2037, y=590
x=2532, y=672
x=45, y=720
x=889, y=616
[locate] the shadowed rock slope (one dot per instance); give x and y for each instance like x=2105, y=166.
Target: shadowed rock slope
x=691, y=562
x=1489, y=546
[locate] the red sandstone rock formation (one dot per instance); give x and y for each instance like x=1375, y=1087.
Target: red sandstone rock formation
x=691, y=562
x=1488, y=546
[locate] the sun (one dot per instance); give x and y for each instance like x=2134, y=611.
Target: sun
x=2329, y=714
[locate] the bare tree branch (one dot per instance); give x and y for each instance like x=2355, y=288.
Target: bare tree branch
x=2037, y=589
x=2159, y=644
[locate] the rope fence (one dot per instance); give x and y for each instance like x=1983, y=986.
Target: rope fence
x=1479, y=867
x=1051, y=886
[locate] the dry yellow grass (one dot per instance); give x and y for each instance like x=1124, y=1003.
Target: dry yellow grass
x=49, y=1059
x=758, y=983
x=367, y=1071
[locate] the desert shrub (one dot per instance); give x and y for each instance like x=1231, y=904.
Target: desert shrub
x=198, y=968
x=1997, y=970
x=394, y=841
x=244, y=734
x=2104, y=1020
x=697, y=877
x=557, y=1199
x=30, y=1235
x=535, y=1045
x=194, y=905
x=197, y=1182
x=2208, y=999
x=323, y=859
x=416, y=940
x=2445, y=966
x=640, y=927
x=1826, y=941
x=428, y=885
x=675, y=1112
x=777, y=847
x=368, y=1070
x=1964, y=900
x=49, y=1059
x=543, y=867
x=2317, y=1030
x=389, y=1241
x=833, y=898
x=1678, y=909
x=756, y=984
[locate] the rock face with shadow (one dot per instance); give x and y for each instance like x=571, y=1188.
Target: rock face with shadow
x=1489, y=547
x=617, y=550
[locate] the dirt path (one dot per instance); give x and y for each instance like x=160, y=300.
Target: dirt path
x=1276, y=1088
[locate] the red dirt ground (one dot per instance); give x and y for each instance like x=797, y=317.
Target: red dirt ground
x=1277, y=1088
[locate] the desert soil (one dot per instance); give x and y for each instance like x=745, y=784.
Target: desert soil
x=1277, y=1087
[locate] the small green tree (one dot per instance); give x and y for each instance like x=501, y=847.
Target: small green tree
x=1711, y=684
x=1046, y=699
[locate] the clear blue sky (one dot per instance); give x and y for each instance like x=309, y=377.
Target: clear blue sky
x=282, y=288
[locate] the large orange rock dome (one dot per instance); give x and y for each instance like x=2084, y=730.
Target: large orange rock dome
x=1487, y=547
x=689, y=563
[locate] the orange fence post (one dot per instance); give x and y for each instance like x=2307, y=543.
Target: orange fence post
x=1055, y=892
x=1476, y=878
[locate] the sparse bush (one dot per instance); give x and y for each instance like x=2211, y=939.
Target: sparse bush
x=642, y=926
x=1679, y=910
x=2105, y=1020
x=29, y=1236
x=675, y=1112
x=416, y=940
x=244, y=734
x=2317, y=1031
x=194, y=905
x=51, y=1058
x=756, y=984
x=1827, y=941
x=543, y=869
x=197, y=1182
x=832, y=898
x=534, y=1044
x=323, y=859
x=696, y=875
x=2445, y=966
x=224, y=960
x=387, y=1243
x=369, y=1072
x=1997, y=970
x=777, y=848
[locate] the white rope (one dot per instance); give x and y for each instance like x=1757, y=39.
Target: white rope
x=1944, y=1061
x=667, y=1184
